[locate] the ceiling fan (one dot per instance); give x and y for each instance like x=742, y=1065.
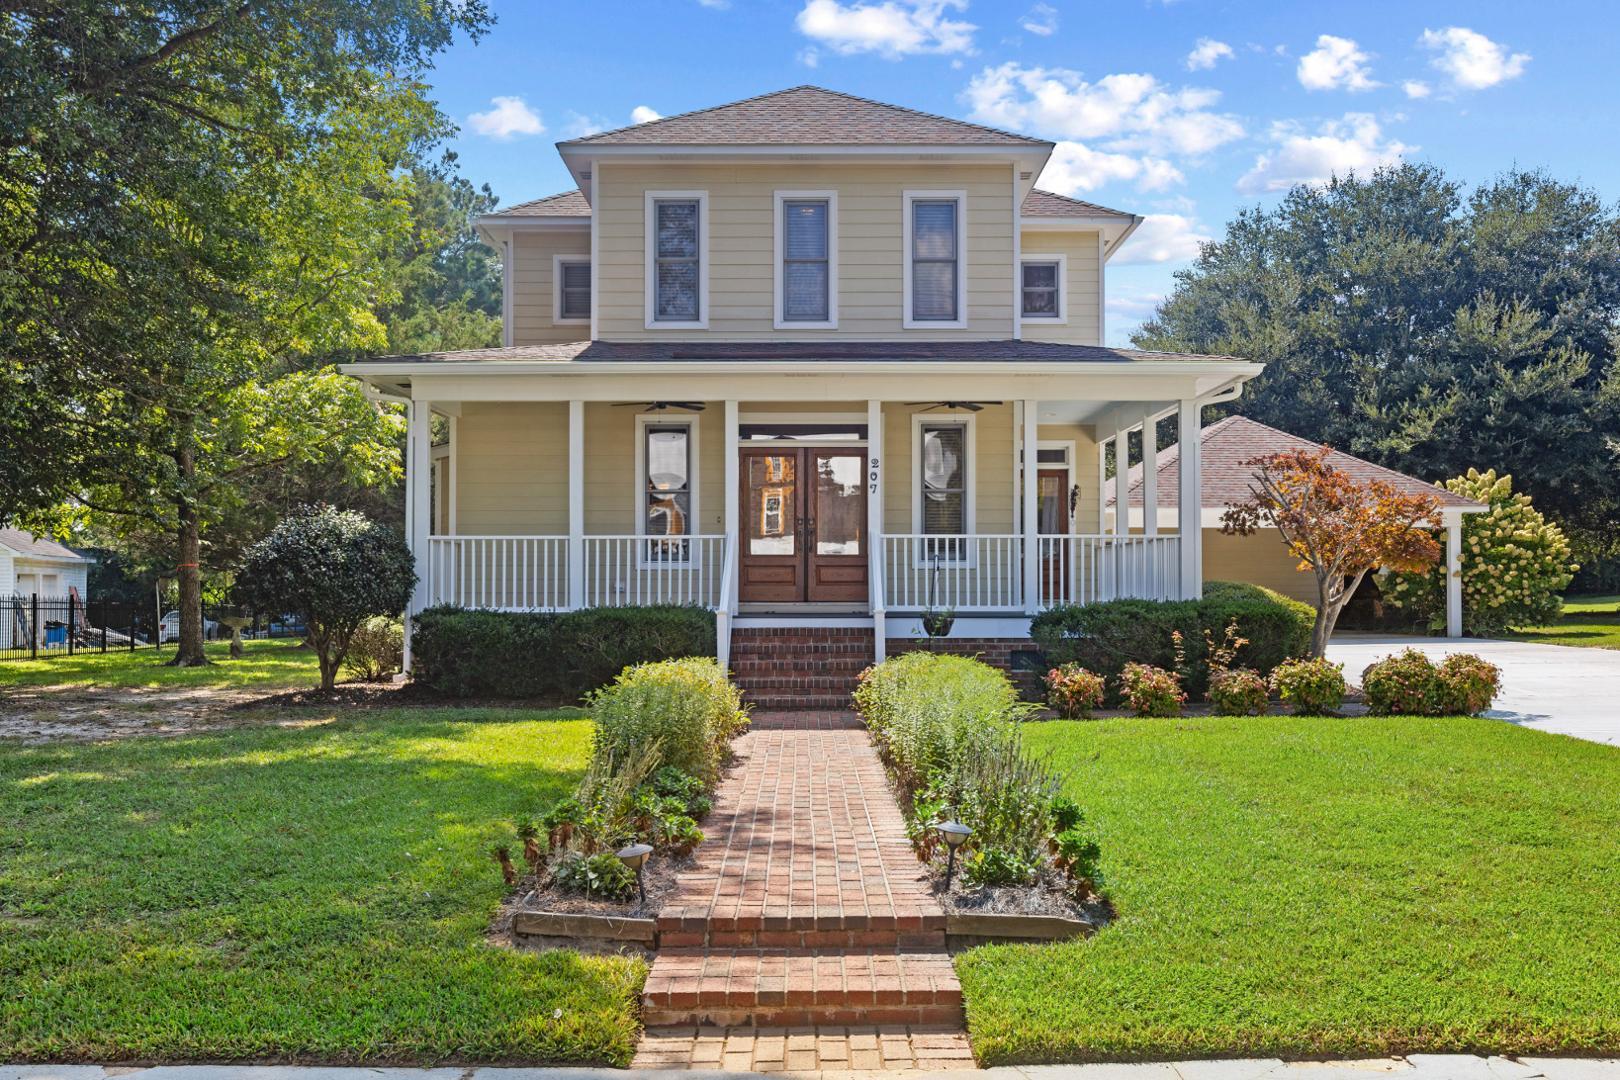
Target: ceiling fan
x=970, y=406
x=660, y=406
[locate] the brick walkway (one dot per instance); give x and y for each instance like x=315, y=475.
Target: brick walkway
x=806, y=914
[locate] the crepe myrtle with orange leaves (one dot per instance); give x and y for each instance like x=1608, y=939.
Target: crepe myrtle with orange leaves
x=1339, y=528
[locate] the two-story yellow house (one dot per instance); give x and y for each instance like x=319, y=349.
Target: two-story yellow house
x=816, y=362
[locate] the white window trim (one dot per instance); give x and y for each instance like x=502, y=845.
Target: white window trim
x=650, y=230
x=779, y=250
x=969, y=484
x=961, y=321
x=557, y=262
x=1062, y=260
x=637, y=520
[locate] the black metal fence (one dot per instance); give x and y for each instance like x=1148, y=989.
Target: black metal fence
x=39, y=627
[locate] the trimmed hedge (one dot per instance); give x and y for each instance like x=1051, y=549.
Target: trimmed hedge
x=549, y=655
x=1106, y=636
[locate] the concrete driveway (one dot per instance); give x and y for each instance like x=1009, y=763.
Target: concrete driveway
x=1554, y=688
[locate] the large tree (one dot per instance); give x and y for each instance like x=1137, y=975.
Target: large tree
x=1405, y=321
x=196, y=199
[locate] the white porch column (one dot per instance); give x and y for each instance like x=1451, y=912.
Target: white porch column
x=733, y=511
x=1031, y=522
x=1102, y=482
x=418, y=505
x=1150, y=476
x=1189, y=498
x=576, y=504
x=874, y=527
x=1122, y=482
x=1454, y=588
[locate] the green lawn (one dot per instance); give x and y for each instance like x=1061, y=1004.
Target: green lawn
x=1592, y=621
x=267, y=665
x=1325, y=887
x=318, y=893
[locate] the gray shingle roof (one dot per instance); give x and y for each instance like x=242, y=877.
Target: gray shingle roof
x=832, y=350
x=1037, y=203
x=808, y=115
x=1228, y=445
x=1040, y=203
x=26, y=543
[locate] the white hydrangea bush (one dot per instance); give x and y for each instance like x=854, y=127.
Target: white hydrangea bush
x=1515, y=563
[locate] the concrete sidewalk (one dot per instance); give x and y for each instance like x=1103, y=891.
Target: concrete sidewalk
x=1416, y=1067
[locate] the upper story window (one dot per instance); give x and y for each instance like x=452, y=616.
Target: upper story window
x=1043, y=288
x=935, y=285
x=806, y=259
x=571, y=289
x=677, y=254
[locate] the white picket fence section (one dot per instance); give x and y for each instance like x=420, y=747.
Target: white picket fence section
x=1085, y=569
x=635, y=571
x=508, y=573
x=960, y=573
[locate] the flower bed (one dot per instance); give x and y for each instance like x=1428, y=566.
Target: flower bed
x=947, y=728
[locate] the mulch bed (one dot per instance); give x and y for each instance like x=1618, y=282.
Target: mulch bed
x=392, y=695
x=1053, y=894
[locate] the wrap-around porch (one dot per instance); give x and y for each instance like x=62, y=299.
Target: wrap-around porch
x=874, y=510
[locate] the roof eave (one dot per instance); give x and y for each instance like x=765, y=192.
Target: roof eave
x=394, y=368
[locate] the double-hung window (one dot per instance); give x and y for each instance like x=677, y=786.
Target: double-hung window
x=806, y=259
x=942, y=488
x=666, y=467
x=1041, y=293
x=935, y=285
x=677, y=250
x=571, y=294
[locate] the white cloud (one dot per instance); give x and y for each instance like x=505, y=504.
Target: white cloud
x=644, y=114
x=1128, y=309
x=1130, y=111
x=579, y=125
x=1162, y=238
x=1075, y=168
x=891, y=28
x=1339, y=147
x=1335, y=64
x=507, y=118
x=809, y=57
x=1207, y=53
x=1471, y=60
x=1416, y=88
x=1041, y=20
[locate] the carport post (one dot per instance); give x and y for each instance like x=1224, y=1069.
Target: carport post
x=1454, y=585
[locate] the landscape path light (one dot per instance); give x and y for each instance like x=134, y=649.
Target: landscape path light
x=955, y=834
x=635, y=857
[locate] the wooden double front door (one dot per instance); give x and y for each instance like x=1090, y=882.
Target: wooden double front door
x=804, y=535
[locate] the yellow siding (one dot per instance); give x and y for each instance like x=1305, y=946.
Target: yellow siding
x=511, y=463
x=1260, y=559
x=1082, y=252
x=533, y=262
x=741, y=246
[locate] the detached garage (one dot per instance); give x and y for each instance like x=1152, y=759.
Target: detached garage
x=1227, y=447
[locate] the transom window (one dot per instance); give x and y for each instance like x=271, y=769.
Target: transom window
x=935, y=259
x=573, y=289
x=1040, y=290
x=806, y=260
x=677, y=255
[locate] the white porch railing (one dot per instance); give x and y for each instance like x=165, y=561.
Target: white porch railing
x=633, y=571
x=1084, y=569
x=510, y=573
x=959, y=573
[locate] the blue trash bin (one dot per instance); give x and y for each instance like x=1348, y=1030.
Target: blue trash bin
x=55, y=634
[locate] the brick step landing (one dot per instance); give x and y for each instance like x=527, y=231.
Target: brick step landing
x=805, y=1050
x=799, y=667
x=790, y=988
x=806, y=931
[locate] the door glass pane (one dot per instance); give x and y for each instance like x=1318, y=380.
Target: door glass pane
x=1052, y=513
x=840, y=509
x=772, y=504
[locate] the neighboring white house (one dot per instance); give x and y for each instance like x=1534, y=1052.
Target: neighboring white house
x=32, y=566
x=809, y=360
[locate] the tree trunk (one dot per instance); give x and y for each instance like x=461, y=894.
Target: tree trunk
x=191, y=652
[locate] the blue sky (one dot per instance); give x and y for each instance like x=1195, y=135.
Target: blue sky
x=1182, y=110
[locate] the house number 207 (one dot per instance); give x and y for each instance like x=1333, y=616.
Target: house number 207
x=872, y=476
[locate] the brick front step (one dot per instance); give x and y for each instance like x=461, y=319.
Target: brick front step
x=797, y=702
x=782, y=987
x=907, y=931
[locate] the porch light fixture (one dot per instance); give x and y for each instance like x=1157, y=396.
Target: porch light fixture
x=635, y=857
x=955, y=834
